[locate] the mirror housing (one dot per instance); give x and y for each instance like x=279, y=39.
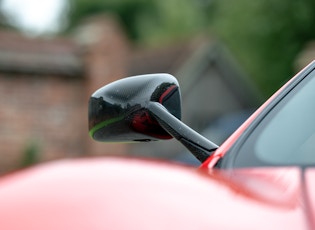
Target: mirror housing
x=118, y=111
x=143, y=108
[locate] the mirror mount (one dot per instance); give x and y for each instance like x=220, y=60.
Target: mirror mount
x=198, y=145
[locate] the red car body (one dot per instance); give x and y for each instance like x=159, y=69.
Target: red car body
x=137, y=194
x=122, y=193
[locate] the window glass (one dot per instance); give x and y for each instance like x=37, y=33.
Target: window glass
x=286, y=136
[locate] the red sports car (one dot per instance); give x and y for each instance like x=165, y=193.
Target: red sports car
x=262, y=177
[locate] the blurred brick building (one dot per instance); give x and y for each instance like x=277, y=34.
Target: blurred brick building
x=45, y=85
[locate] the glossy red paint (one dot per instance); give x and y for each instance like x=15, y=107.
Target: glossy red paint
x=167, y=92
x=310, y=191
x=114, y=193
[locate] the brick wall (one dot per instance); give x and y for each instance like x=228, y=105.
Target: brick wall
x=43, y=116
x=105, y=54
x=46, y=112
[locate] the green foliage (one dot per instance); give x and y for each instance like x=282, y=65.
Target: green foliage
x=128, y=11
x=4, y=22
x=30, y=155
x=176, y=19
x=266, y=35
x=145, y=21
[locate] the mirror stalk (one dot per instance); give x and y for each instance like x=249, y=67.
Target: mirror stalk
x=200, y=146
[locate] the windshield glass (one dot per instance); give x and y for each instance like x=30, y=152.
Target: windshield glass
x=286, y=136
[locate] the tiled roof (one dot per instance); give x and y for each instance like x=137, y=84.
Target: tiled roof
x=165, y=59
x=20, y=54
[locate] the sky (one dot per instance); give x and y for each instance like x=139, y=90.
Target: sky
x=35, y=16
